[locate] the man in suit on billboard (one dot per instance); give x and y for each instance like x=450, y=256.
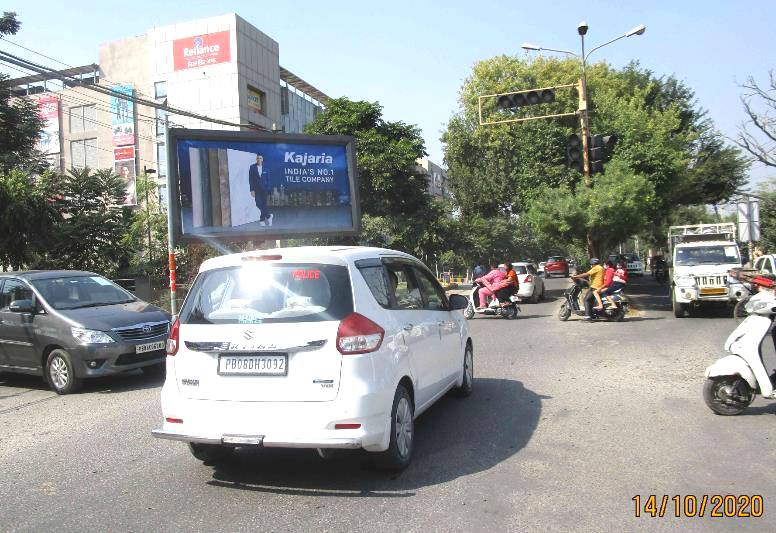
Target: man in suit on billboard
x=258, y=179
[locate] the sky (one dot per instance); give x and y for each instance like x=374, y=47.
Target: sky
x=412, y=56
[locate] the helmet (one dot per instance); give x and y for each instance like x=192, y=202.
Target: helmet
x=595, y=261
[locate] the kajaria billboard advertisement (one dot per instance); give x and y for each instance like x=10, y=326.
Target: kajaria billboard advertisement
x=201, y=50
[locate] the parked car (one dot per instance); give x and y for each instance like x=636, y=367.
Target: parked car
x=633, y=263
x=556, y=266
x=68, y=325
x=540, y=268
x=531, y=286
x=312, y=347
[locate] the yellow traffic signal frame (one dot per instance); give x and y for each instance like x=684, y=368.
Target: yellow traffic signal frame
x=523, y=119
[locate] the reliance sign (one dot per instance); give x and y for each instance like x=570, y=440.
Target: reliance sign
x=201, y=50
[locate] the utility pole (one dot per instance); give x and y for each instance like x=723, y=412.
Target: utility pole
x=170, y=228
x=146, y=172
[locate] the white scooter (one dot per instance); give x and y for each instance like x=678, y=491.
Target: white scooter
x=495, y=308
x=734, y=380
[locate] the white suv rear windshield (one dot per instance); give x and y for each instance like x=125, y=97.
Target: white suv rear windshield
x=269, y=293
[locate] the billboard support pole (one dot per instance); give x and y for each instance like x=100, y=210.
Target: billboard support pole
x=170, y=230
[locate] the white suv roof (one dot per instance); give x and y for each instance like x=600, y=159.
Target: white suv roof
x=695, y=244
x=335, y=255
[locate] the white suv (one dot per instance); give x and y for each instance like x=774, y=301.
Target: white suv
x=312, y=347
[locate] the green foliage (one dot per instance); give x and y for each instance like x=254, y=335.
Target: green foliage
x=768, y=217
x=148, y=260
x=390, y=181
x=26, y=219
x=20, y=124
x=612, y=210
x=662, y=136
x=89, y=236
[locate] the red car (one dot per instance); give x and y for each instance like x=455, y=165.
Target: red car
x=556, y=266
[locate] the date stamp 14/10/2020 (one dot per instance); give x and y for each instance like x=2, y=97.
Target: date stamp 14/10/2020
x=691, y=506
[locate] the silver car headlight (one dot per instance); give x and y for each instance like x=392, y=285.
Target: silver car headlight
x=91, y=336
x=685, y=281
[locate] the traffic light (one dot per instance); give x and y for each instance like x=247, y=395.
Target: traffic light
x=601, y=148
x=525, y=98
x=574, y=152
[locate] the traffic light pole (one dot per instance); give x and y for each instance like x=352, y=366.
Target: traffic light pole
x=585, y=126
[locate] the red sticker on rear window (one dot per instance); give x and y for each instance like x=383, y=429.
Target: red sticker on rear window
x=306, y=274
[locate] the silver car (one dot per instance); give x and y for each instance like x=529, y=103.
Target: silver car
x=69, y=325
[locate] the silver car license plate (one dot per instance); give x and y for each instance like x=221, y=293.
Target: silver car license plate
x=150, y=347
x=253, y=365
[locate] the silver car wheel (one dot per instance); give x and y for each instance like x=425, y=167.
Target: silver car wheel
x=403, y=427
x=59, y=373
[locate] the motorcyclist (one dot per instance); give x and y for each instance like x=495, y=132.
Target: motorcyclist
x=508, y=286
x=490, y=279
x=596, y=277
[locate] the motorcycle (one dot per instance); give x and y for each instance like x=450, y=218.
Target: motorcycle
x=507, y=310
x=613, y=313
x=661, y=274
x=735, y=379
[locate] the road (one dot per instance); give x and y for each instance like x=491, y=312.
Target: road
x=567, y=423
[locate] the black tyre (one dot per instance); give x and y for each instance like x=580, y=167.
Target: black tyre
x=564, y=313
x=679, y=308
x=727, y=395
x=60, y=373
x=620, y=314
x=399, y=452
x=510, y=312
x=159, y=369
x=467, y=385
x=210, y=454
x=739, y=311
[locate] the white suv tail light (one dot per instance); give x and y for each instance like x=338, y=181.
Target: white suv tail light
x=172, y=340
x=357, y=334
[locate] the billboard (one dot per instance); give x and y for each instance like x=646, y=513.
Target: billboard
x=201, y=50
x=244, y=185
x=123, y=116
x=126, y=169
x=48, y=109
x=748, y=220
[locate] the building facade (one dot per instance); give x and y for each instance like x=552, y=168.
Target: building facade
x=437, y=178
x=221, y=67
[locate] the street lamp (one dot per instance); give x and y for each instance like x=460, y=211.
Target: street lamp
x=583, y=98
x=146, y=172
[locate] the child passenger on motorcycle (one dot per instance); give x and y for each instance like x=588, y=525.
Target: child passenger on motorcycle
x=619, y=281
x=509, y=283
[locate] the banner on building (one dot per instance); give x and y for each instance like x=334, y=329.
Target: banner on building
x=262, y=186
x=124, y=153
x=123, y=116
x=48, y=110
x=255, y=100
x=126, y=169
x=201, y=50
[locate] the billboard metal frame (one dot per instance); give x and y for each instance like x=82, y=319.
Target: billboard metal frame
x=174, y=202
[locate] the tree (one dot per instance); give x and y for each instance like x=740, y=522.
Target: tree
x=768, y=216
x=758, y=135
x=662, y=136
x=612, y=210
x=150, y=260
x=90, y=234
x=27, y=219
x=20, y=123
x=390, y=181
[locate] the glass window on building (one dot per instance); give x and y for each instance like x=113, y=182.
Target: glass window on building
x=83, y=153
x=161, y=159
x=82, y=118
x=160, y=89
x=160, y=114
x=257, y=100
x=284, y=100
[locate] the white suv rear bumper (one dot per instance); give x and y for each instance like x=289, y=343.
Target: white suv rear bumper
x=278, y=424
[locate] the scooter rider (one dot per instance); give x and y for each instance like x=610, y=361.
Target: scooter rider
x=489, y=280
x=596, y=278
x=508, y=286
